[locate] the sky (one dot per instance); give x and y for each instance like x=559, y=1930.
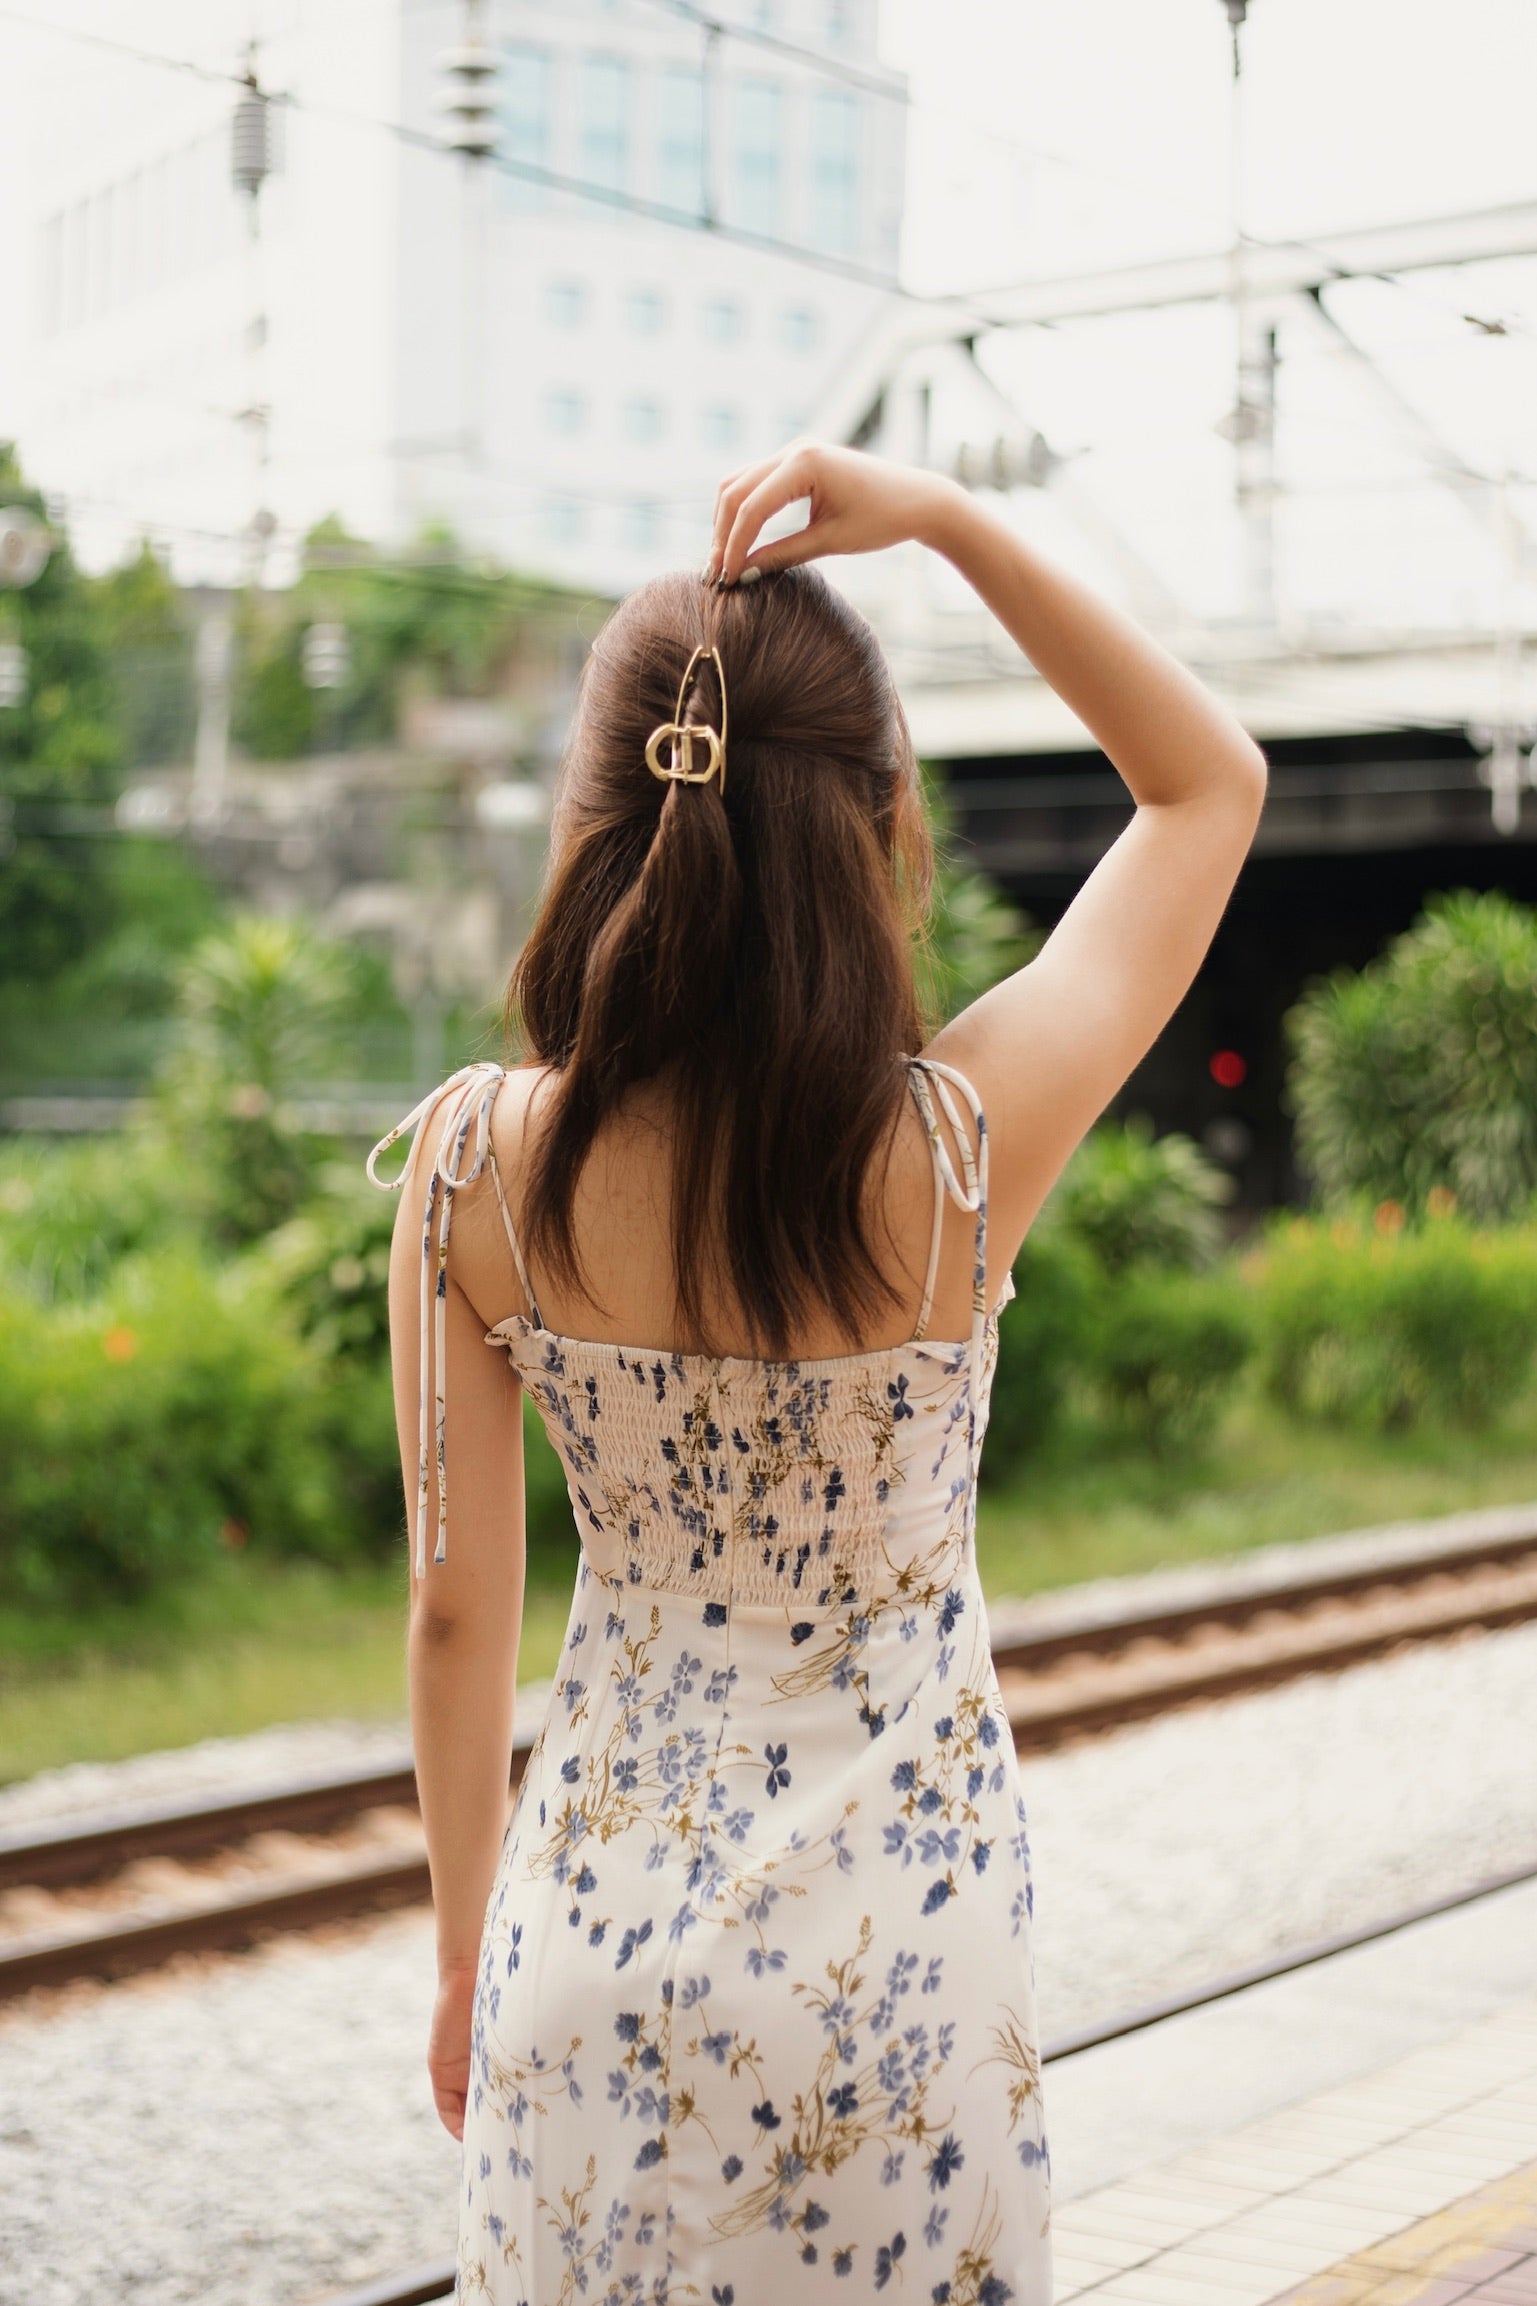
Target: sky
x=1049, y=137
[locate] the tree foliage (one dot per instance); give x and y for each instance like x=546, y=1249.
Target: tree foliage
x=1417, y=1076
x=261, y=1010
x=1134, y=1198
x=975, y=935
x=61, y=755
x=428, y=616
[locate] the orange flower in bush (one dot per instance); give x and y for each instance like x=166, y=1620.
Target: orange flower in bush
x=1388, y=1217
x=120, y=1344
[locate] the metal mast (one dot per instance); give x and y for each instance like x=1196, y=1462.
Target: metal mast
x=468, y=102
x=1250, y=425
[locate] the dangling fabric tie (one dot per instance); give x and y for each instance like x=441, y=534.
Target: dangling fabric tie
x=466, y=1100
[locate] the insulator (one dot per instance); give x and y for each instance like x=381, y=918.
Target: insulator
x=469, y=99
x=25, y=545
x=327, y=656
x=13, y=675
x=251, y=144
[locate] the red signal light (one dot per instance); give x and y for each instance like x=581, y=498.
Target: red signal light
x=1228, y=1069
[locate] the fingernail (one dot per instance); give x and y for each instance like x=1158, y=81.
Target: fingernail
x=749, y=576
x=707, y=573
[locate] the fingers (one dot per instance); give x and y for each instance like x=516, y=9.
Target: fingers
x=816, y=541
x=788, y=479
x=728, y=497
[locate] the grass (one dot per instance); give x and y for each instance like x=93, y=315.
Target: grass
x=260, y=1643
x=1263, y=1480
x=257, y=1644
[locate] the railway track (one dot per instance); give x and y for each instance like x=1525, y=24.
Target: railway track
x=100, y=1897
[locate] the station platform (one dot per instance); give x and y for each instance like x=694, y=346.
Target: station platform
x=1360, y=2134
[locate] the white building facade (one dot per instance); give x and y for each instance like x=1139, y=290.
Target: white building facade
x=408, y=340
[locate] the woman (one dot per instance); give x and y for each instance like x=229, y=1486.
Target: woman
x=741, y=1998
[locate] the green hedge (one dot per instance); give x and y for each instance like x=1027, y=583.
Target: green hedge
x=185, y=1411
x=1166, y=1353
x=179, y=1414
x=1372, y=1324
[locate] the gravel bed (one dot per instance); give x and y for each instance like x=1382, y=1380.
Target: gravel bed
x=232, y=1766
x=222, y=1766
x=257, y=2131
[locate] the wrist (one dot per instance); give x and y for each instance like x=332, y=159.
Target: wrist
x=946, y=516
x=455, y=1962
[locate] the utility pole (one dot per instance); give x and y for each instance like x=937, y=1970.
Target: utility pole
x=1509, y=762
x=1250, y=425
x=468, y=101
x=250, y=164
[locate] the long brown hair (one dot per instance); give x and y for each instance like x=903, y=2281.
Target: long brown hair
x=755, y=947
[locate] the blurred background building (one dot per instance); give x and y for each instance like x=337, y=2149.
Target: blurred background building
x=343, y=305
x=354, y=321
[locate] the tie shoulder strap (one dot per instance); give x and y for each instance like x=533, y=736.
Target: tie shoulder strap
x=465, y=1102
x=967, y=1190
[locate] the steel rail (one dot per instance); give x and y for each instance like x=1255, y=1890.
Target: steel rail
x=1066, y=1676
x=429, y=2283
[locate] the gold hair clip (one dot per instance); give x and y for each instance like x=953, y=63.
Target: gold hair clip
x=681, y=739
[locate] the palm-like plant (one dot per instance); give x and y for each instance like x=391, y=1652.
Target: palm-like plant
x=1418, y=1075
x=260, y=1010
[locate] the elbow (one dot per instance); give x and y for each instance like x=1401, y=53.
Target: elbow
x=1252, y=776
x=433, y=1628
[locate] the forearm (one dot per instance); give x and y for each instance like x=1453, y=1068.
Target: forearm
x=462, y=1687
x=1166, y=734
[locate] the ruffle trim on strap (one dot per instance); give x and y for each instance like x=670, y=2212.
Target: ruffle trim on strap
x=466, y=1101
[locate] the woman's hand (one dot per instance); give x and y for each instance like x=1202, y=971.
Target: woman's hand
x=448, y=2046
x=858, y=504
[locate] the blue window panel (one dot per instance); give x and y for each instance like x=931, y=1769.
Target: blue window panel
x=565, y=411
x=642, y=526
x=756, y=148
x=723, y=320
x=604, y=132
x=645, y=311
x=644, y=420
x=835, y=171
x=564, y=520
x=722, y=427
x=527, y=116
x=680, y=139
x=565, y=303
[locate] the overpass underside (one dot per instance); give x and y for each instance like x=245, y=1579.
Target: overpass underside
x=1357, y=833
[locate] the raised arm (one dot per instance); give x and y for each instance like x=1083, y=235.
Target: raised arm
x=1049, y=1047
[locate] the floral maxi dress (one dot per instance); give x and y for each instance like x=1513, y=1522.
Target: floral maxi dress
x=755, y=2014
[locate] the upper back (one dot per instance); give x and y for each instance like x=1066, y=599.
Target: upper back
x=622, y=1225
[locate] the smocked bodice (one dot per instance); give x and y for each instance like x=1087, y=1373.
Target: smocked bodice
x=755, y=1482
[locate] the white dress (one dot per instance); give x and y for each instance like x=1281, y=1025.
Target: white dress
x=755, y=2018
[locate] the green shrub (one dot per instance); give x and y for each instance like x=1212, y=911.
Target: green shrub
x=1128, y=1196
x=1041, y=1342
x=332, y=1265
x=1393, y=1328
x=68, y=1213
x=140, y=1433
x=1166, y=1350
x=1418, y=1077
